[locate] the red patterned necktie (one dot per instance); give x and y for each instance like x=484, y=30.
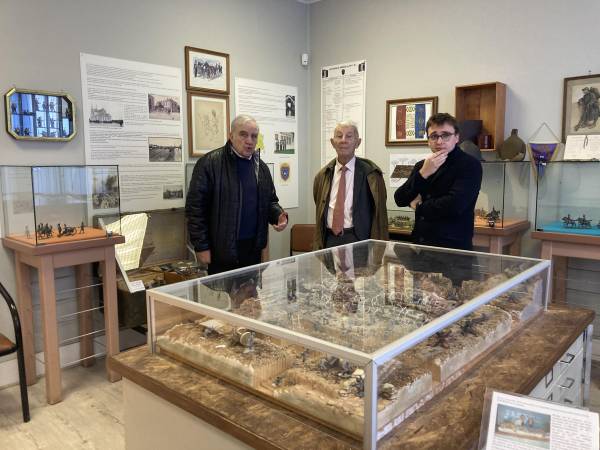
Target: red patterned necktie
x=337, y=224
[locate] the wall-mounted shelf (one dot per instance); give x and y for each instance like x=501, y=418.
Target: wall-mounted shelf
x=485, y=102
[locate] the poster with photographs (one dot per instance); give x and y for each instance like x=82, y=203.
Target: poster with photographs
x=136, y=125
x=274, y=106
x=206, y=70
x=208, y=122
x=519, y=422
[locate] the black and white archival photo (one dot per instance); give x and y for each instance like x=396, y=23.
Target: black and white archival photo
x=172, y=191
x=164, y=149
x=162, y=107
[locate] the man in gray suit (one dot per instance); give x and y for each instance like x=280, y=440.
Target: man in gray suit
x=349, y=194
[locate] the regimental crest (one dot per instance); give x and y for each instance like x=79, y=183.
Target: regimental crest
x=284, y=171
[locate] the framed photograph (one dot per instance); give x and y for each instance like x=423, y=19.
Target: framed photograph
x=206, y=70
x=581, y=105
x=208, y=122
x=405, y=120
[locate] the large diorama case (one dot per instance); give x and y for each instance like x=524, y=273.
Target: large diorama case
x=356, y=337
x=52, y=204
x=567, y=198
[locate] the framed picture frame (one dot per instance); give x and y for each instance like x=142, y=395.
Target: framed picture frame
x=405, y=120
x=206, y=70
x=34, y=115
x=581, y=105
x=208, y=122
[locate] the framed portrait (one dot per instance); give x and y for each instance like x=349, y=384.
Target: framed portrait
x=581, y=105
x=405, y=120
x=206, y=70
x=208, y=122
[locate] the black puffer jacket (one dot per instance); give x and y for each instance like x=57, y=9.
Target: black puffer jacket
x=213, y=205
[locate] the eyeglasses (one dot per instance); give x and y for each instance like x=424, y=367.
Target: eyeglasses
x=445, y=136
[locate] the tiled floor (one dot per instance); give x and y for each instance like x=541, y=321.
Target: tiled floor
x=91, y=414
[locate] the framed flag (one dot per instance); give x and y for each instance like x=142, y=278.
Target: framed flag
x=406, y=119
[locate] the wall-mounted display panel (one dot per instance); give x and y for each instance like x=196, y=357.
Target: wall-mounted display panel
x=40, y=115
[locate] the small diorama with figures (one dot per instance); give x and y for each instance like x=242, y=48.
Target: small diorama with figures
x=46, y=233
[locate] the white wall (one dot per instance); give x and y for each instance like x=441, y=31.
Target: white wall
x=40, y=43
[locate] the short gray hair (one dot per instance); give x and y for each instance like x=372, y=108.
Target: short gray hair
x=347, y=124
x=241, y=120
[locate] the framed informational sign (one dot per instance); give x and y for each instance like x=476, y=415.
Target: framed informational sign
x=406, y=119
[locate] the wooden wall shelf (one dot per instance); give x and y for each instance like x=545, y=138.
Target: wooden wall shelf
x=486, y=102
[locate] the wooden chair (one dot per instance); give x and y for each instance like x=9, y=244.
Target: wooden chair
x=7, y=347
x=301, y=237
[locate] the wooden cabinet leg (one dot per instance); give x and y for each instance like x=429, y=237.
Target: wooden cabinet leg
x=83, y=273
x=515, y=247
x=50, y=330
x=559, y=279
x=23, y=280
x=496, y=245
x=111, y=313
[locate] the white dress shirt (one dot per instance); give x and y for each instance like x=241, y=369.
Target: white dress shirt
x=349, y=193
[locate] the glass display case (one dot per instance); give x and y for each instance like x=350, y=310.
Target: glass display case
x=53, y=204
x=356, y=337
x=155, y=253
x=567, y=198
x=504, y=195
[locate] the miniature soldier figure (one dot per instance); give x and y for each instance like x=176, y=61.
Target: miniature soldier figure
x=27, y=233
x=39, y=121
x=59, y=229
x=81, y=228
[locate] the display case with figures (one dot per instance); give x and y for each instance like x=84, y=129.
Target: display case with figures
x=504, y=195
x=355, y=337
x=567, y=198
x=54, y=204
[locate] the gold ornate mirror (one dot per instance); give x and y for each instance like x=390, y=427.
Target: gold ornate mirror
x=40, y=115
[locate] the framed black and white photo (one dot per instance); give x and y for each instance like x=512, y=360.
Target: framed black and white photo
x=208, y=122
x=206, y=70
x=581, y=105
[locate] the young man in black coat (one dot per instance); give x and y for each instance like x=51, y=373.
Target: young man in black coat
x=443, y=189
x=230, y=202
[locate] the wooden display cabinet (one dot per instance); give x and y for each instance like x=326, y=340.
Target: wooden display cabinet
x=485, y=102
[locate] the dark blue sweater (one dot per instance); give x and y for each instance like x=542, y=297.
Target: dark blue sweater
x=248, y=223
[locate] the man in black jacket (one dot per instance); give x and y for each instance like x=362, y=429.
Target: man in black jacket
x=443, y=189
x=230, y=202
